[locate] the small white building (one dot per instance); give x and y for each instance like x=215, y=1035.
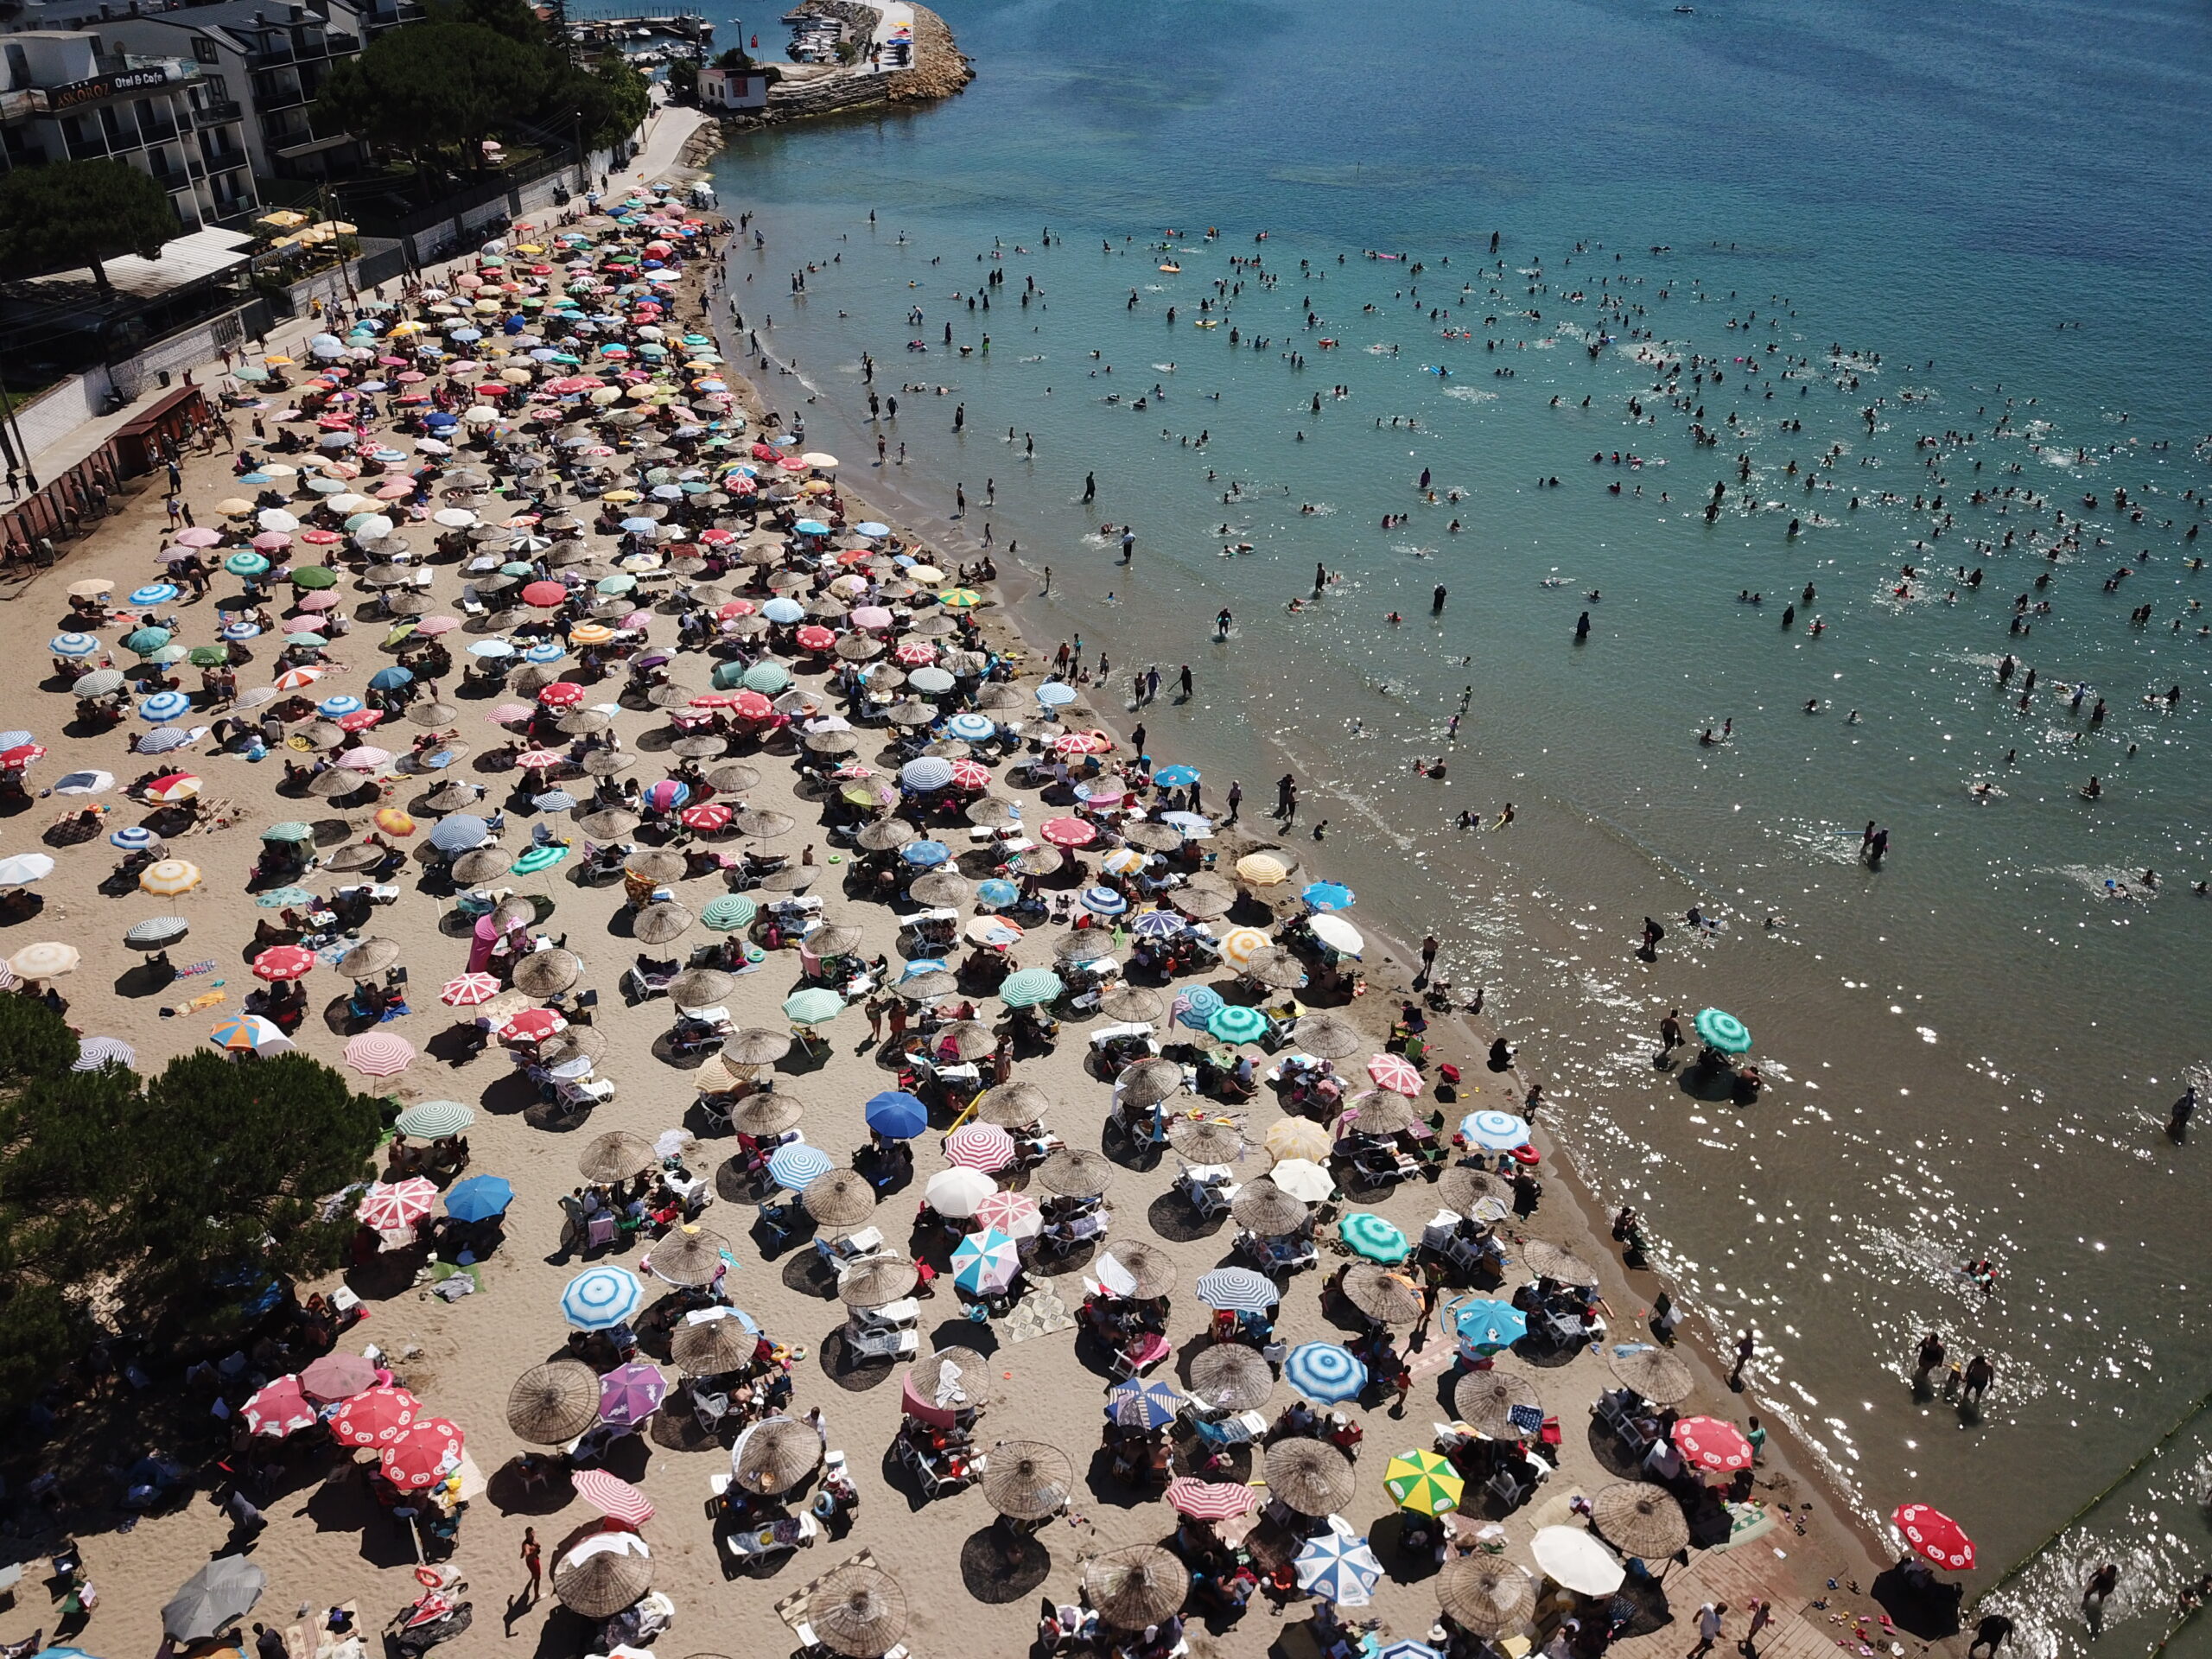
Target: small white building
x=732, y=89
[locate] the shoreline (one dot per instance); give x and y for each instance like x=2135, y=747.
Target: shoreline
x=1791, y=1464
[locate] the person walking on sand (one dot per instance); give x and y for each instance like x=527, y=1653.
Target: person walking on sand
x=534, y=1563
x=1235, y=799
x=1709, y=1628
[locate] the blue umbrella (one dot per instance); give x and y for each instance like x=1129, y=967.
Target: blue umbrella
x=1176, y=777
x=1054, y=694
x=1195, y=1007
x=280, y=898
x=782, y=609
x=73, y=645
x=479, y=1198
x=153, y=592
x=1323, y=1372
x=925, y=854
x=1339, y=1568
x=391, y=679
x=794, y=1166
x=490, y=648
x=1103, y=901
x=926, y=771
x=641, y=526
x=1142, y=1405
x=601, y=1298
x=897, y=1113
x=970, y=728
x=333, y=708
x=459, y=833
x=164, y=706
x=544, y=652
x=163, y=739
x=1495, y=1131
x=1237, y=1289
x=1155, y=924
x=235, y=631
x=133, y=838
x=811, y=527
x=553, y=800
x=1327, y=895
x=869, y=528
x=1487, y=1326
x=997, y=890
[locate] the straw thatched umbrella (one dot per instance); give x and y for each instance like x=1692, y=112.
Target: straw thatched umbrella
x=887, y=835
x=1230, y=1377
x=609, y=823
x=1311, y=1476
x=551, y=1404
x=576, y=1043
x=911, y=711
x=1012, y=1105
x=701, y=988
x=968, y=1038
x=1090, y=945
x=840, y=1198
x=734, y=778
x=329, y=785
x=1384, y=1113
x=1152, y=837
x=369, y=958
x=605, y=763
x=700, y=746
x=1132, y=1002
x=1547, y=1261
x=616, y=1156
x=670, y=695
x=1136, y=1585
x=1037, y=861
x=942, y=887
x=838, y=939
x=1380, y=1294
x=1076, y=1173
x=1149, y=1082
x=1485, y=1595
x=1264, y=1208
x=603, y=1583
x=763, y=825
x=547, y=973
x=359, y=855
x=1276, y=968
x=1028, y=1480
x=432, y=712
x=712, y=1347
x=1654, y=1374
x=990, y=812
x=1205, y=1140
x=858, y=1611
x=655, y=864
x=874, y=1280
x=688, y=1256
x=452, y=798
x=1485, y=1400
x=775, y=1454
x=927, y=1374
x=838, y=742
x=1640, y=1519
x=1462, y=1188
x=658, y=924
x=1152, y=1270
x=770, y=1111
x=756, y=1046
x=928, y=985
x=1202, y=906
x=482, y=864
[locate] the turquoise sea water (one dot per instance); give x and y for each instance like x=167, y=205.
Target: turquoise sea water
x=1973, y=1048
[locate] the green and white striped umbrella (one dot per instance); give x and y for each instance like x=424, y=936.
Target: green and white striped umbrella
x=812, y=1006
x=1029, y=987
x=728, y=913
x=1719, y=1029
x=1367, y=1234
x=434, y=1118
x=1235, y=1023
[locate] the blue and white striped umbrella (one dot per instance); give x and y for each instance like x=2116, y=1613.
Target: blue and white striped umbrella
x=1323, y=1372
x=333, y=708
x=73, y=645
x=601, y=1298
x=783, y=609
x=237, y=632
x=1055, y=693
x=926, y=855
x=164, y=706
x=1103, y=901
x=970, y=728
x=1155, y=924
x=93, y=1052
x=1142, y=1405
x=985, y=1262
x=459, y=833
x=545, y=652
x=17, y=739
x=553, y=800
x=926, y=771
x=163, y=739
x=153, y=592
x=1327, y=895
x=1497, y=1131
x=794, y=1166
x=134, y=838
x=1195, y=1007
x=997, y=890
x=1339, y=1569
x=1238, y=1290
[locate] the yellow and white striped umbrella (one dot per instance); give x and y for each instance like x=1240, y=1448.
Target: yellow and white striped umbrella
x=1263, y=869
x=48, y=959
x=1298, y=1137
x=1123, y=861
x=1240, y=944
x=166, y=878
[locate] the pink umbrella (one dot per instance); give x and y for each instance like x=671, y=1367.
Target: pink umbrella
x=871, y=617
x=281, y=962
x=983, y=1146
x=915, y=654
x=1210, y=1500
x=469, y=990
x=540, y=759
x=389, y=1206
x=281, y=1409
x=1014, y=1214
x=1395, y=1073
x=1068, y=832
x=272, y=541
x=507, y=713
x=437, y=624
x=379, y=1054
x=324, y=600
x=970, y=774
x=368, y=758
x=198, y=536
x=612, y=1497
x=630, y=1394
x=337, y=1377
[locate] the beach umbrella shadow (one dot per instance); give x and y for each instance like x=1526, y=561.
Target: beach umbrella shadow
x=342, y=1504
x=995, y=1576
x=805, y=1272
x=849, y=1372
x=510, y=1495
x=1927, y=1608
x=145, y=979
x=505, y=1095
x=1170, y=1215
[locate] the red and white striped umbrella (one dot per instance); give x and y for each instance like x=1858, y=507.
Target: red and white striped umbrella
x=469, y=990
x=281, y=1409
x=979, y=1146
x=379, y=1054
x=970, y=774
x=390, y=1206
x=1068, y=832
x=540, y=759
x=1395, y=1073
x=612, y=1497
x=426, y=1451
x=284, y=962
x=915, y=653
x=709, y=817
x=377, y=1418
x=1210, y=1500
x=1712, y=1444
x=173, y=787
x=1014, y=1214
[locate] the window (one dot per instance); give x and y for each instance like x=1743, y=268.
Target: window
x=204, y=49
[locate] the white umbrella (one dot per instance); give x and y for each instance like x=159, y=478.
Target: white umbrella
x=1303, y=1178
x=24, y=868
x=958, y=1192
x=1575, y=1560
x=1338, y=934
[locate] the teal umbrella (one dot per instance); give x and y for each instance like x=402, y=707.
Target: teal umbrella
x=1029, y=987
x=728, y=913
x=767, y=677
x=291, y=829
x=812, y=1007
x=1719, y=1029
x=1234, y=1023
x=539, y=858
x=621, y=582
x=1366, y=1233
x=144, y=642
x=246, y=564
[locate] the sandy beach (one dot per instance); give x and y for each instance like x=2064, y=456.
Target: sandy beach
x=328, y=1543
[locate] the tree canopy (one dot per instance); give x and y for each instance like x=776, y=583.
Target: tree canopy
x=145, y=1192
x=68, y=214
x=430, y=86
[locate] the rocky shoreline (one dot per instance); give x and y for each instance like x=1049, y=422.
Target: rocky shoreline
x=939, y=71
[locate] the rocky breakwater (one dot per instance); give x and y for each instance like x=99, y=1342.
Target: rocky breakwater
x=809, y=89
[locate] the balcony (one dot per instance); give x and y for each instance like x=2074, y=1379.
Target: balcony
x=156, y=132
x=217, y=115
x=87, y=149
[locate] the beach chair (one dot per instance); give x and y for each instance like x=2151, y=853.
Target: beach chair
x=887, y=1343
x=601, y=1232
x=1135, y=1361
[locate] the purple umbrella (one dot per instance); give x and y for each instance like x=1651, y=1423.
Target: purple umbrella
x=630, y=1394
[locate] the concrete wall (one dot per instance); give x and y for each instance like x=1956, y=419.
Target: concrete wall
x=67, y=406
